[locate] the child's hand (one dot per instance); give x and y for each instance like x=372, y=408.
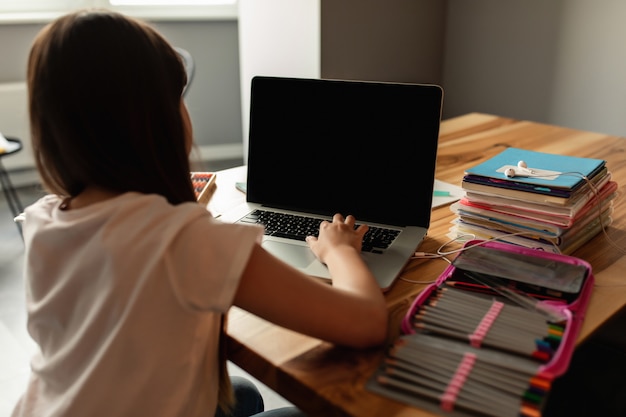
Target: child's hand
x=340, y=232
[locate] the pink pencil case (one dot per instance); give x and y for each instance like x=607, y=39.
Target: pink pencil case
x=566, y=291
x=479, y=340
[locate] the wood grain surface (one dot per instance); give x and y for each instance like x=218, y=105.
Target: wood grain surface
x=326, y=380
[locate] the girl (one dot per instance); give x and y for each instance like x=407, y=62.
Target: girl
x=128, y=279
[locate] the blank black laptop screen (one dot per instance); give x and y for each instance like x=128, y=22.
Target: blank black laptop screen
x=327, y=146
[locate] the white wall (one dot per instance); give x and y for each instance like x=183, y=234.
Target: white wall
x=589, y=90
x=554, y=61
x=391, y=40
x=278, y=38
x=558, y=61
x=213, y=99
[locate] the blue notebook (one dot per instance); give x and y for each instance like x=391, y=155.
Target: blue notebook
x=554, y=173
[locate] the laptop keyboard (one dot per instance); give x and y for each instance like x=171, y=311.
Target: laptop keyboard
x=296, y=227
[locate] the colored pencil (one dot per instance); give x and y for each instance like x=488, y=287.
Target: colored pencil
x=454, y=313
x=477, y=351
x=437, y=369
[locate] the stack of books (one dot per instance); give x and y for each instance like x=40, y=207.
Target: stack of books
x=537, y=200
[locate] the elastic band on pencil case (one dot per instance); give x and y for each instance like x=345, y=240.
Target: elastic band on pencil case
x=485, y=324
x=448, y=398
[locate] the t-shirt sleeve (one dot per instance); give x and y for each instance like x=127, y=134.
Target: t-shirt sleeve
x=207, y=260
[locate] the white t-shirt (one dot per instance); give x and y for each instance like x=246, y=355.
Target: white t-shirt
x=124, y=299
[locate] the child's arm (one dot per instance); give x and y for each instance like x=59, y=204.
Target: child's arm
x=350, y=312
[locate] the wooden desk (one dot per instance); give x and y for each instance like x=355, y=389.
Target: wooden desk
x=326, y=380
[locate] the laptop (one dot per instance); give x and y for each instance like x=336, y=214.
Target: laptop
x=319, y=147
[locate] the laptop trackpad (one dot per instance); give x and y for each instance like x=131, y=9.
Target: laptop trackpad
x=295, y=255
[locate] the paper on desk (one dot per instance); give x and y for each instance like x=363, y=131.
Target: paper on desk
x=455, y=193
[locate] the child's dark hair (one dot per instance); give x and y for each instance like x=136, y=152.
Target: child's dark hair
x=104, y=101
